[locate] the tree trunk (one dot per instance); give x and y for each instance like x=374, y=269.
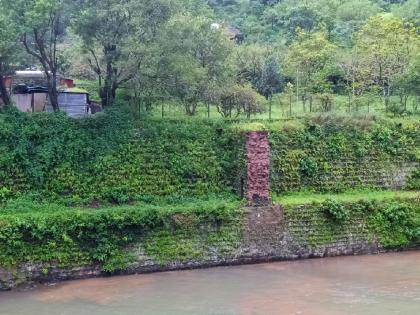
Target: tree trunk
x=46, y=52
x=290, y=106
x=3, y=90
x=403, y=101
x=310, y=103
x=108, y=91
x=190, y=108
x=52, y=90
x=350, y=99
x=304, y=99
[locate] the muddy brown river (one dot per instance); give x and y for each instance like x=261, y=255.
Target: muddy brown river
x=366, y=285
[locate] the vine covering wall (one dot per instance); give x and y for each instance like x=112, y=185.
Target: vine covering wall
x=335, y=156
x=393, y=224
x=57, y=244
x=110, y=158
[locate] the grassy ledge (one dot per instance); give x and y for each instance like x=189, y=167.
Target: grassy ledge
x=302, y=198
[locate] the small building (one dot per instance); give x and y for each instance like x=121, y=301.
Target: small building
x=29, y=93
x=74, y=104
x=31, y=102
x=31, y=78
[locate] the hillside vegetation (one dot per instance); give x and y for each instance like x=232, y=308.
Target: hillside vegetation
x=111, y=159
x=236, y=58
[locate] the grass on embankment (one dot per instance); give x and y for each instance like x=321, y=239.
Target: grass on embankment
x=301, y=198
x=22, y=206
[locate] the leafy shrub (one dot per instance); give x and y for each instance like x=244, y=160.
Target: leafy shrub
x=106, y=158
x=335, y=210
x=308, y=167
x=414, y=180
x=392, y=223
x=4, y=194
x=398, y=214
x=111, y=159
x=397, y=224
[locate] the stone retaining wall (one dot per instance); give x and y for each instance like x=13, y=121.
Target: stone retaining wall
x=265, y=234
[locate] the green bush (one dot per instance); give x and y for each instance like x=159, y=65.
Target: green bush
x=335, y=210
x=398, y=214
x=397, y=224
x=414, y=180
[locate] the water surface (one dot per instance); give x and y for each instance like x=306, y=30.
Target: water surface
x=367, y=285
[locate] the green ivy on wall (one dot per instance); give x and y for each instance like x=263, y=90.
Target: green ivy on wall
x=65, y=237
x=392, y=223
x=111, y=159
x=331, y=156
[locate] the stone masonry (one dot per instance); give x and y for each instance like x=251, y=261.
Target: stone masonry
x=258, y=168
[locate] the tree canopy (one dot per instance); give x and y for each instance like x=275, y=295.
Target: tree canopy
x=188, y=53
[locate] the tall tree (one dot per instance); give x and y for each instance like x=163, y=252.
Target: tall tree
x=196, y=58
x=7, y=48
x=41, y=25
x=115, y=33
x=387, y=45
x=104, y=27
x=307, y=60
x=271, y=80
x=350, y=17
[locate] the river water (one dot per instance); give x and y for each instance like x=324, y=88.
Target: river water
x=365, y=285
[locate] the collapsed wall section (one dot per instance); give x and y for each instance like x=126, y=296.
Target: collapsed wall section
x=258, y=168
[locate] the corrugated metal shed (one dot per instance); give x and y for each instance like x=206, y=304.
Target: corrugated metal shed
x=74, y=104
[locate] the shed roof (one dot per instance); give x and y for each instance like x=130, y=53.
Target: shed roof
x=31, y=74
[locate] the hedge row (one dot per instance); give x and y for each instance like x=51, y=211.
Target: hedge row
x=76, y=237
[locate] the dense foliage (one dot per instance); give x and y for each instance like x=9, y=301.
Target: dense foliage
x=189, y=54
x=55, y=236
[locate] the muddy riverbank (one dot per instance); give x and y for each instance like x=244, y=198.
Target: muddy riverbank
x=380, y=284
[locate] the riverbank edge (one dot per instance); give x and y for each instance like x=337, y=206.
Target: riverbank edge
x=267, y=236
x=90, y=272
